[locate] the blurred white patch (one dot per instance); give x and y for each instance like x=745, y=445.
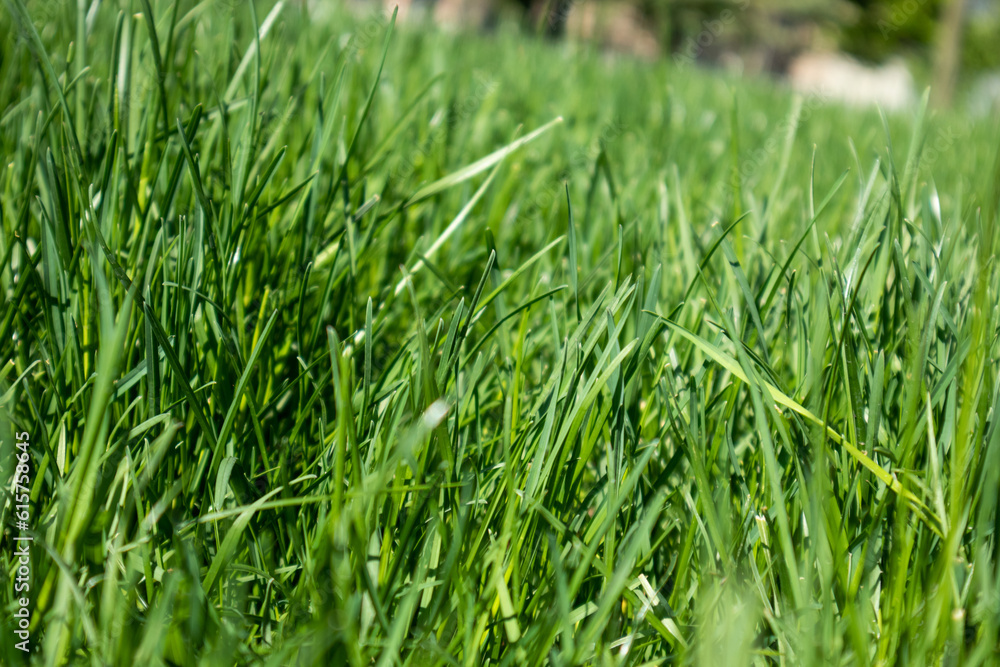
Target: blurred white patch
x=435, y=413
x=835, y=77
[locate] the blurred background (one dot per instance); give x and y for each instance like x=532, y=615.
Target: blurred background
x=856, y=51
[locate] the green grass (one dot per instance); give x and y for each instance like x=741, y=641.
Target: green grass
x=495, y=352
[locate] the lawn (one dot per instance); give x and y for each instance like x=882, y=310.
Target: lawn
x=343, y=342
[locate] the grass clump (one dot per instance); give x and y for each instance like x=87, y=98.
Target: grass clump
x=339, y=343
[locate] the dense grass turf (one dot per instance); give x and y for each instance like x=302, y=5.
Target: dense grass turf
x=325, y=361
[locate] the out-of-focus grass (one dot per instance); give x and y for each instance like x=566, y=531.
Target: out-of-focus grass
x=339, y=344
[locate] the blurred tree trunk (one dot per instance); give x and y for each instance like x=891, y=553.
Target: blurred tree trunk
x=549, y=16
x=948, y=52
